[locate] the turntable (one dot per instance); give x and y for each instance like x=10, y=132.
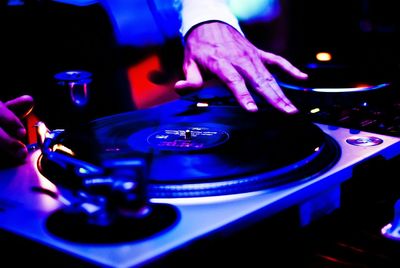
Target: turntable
x=127, y=189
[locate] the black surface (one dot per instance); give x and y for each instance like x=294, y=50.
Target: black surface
x=73, y=225
x=20, y=252
x=266, y=149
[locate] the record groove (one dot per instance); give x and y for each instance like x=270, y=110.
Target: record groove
x=192, y=151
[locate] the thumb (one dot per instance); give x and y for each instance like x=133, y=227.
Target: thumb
x=192, y=75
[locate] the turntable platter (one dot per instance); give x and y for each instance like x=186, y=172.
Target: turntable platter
x=192, y=151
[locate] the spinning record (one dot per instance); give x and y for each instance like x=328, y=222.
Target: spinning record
x=201, y=151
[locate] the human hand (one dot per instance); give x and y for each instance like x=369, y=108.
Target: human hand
x=12, y=130
x=219, y=48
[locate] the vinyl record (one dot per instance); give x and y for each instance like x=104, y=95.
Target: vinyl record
x=192, y=151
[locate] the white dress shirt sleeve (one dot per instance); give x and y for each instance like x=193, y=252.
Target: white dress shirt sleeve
x=197, y=11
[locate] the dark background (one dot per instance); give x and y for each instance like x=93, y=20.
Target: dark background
x=42, y=38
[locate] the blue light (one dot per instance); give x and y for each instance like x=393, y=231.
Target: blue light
x=142, y=23
x=15, y=3
x=255, y=10
x=78, y=2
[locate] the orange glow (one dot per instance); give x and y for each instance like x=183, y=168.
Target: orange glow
x=45, y=184
x=323, y=56
x=362, y=85
x=60, y=147
x=144, y=92
x=42, y=131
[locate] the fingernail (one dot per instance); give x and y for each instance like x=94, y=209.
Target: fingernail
x=251, y=106
x=291, y=109
x=304, y=75
x=21, y=132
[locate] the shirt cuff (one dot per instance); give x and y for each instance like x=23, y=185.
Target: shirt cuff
x=195, y=12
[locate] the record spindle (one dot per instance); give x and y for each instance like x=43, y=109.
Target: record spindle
x=76, y=84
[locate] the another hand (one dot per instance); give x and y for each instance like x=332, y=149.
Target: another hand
x=222, y=50
x=12, y=130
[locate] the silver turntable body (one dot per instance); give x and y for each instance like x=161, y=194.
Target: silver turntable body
x=24, y=211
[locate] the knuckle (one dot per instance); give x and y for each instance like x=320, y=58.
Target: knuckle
x=233, y=79
x=264, y=81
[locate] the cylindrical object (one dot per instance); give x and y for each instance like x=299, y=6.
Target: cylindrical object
x=75, y=92
x=78, y=85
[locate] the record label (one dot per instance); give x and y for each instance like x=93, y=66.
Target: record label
x=185, y=139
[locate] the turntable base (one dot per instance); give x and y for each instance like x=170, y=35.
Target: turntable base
x=199, y=217
x=75, y=227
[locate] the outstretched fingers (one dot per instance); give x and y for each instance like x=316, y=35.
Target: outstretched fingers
x=283, y=63
x=265, y=84
x=235, y=82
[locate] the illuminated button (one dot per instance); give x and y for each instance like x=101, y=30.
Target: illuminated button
x=364, y=141
x=323, y=56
